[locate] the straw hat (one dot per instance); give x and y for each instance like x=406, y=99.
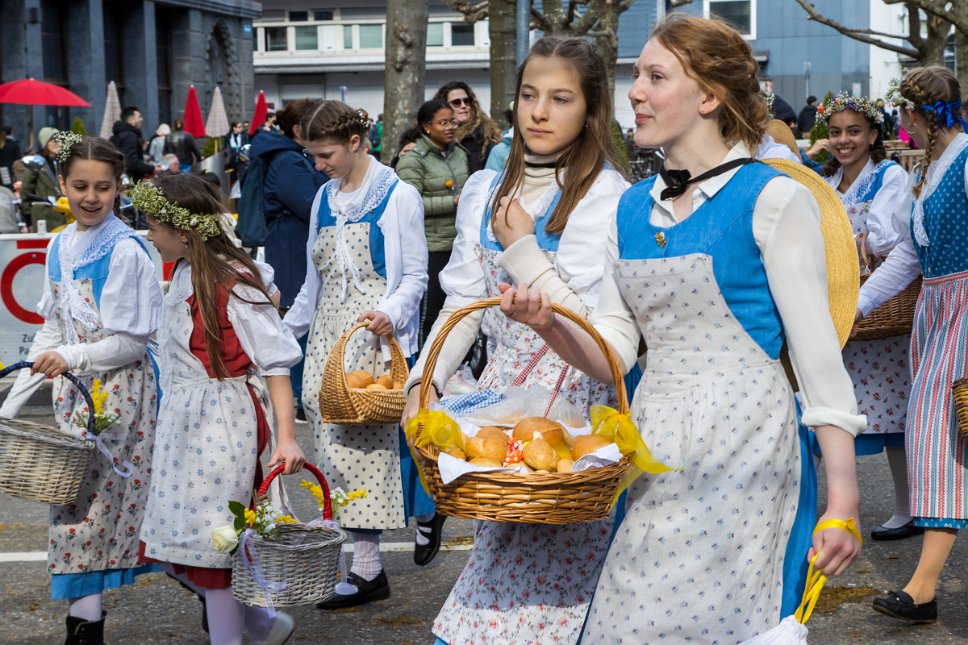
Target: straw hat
x=843, y=269
x=783, y=135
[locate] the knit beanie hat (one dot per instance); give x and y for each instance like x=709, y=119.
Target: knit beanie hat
x=44, y=136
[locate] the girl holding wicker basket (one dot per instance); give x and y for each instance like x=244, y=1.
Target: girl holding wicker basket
x=929, y=100
x=368, y=259
x=870, y=188
x=541, y=222
x=220, y=338
x=101, y=304
x=714, y=264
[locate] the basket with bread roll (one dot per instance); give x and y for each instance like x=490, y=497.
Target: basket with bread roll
x=532, y=469
x=357, y=396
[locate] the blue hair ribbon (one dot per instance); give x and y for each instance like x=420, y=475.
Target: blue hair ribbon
x=946, y=114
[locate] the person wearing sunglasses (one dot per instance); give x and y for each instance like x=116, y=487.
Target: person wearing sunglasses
x=476, y=131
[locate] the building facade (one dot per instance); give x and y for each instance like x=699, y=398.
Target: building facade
x=152, y=49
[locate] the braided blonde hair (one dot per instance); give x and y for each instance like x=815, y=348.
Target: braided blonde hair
x=923, y=86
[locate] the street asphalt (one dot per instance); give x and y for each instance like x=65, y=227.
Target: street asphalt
x=156, y=610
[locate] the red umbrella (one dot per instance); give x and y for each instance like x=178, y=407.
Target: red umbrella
x=31, y=92
x=194, y=125
x=261, y=110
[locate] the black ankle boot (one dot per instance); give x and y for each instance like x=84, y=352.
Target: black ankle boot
x=85, y=632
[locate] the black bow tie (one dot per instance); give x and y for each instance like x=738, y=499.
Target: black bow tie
x=677, y=181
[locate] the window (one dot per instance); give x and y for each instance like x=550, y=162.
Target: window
x=741, y=14
x=371, y=36
x=435, y=34
x=306, y=38
x=461, y=35
x=276, y=39
x=322, y=14
x=298, y=16
x=347, y=36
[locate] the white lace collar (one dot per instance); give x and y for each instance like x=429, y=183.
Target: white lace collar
x=936, y=172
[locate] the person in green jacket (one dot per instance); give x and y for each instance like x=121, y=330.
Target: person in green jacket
x=437, y=168
x=40, y=183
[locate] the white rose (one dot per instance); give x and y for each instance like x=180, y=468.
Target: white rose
x=225, y=538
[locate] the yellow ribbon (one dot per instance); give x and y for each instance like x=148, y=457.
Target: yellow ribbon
x=620, y=429
x=438, y=429
x=815, y=578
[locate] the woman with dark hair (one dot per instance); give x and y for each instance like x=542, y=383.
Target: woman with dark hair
x=476, y=132
x=291, y=183
x=871, y=187
x=437, y=168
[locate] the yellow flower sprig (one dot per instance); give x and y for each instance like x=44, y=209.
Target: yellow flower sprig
x=337, y=496
x=102, y=420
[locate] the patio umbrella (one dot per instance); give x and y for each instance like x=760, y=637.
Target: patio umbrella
x=32, y=92
x=193, y=115
x=217, y=125
x=261, y=110
x=112, y=111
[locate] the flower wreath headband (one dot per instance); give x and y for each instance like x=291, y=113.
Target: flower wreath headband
x=148, y=198
x=66, y=139
x=946, y=113
x=844, y=101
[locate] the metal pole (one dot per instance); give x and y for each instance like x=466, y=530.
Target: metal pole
x=522, y=29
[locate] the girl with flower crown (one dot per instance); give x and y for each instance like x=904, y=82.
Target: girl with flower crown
x=101, y=304
x=219, y=339
x=368, y=262
x=935, y=246
x=871, y=187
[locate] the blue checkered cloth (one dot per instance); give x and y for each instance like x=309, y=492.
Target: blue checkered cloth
x=463, y=404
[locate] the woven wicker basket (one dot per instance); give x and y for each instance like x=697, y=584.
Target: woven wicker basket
x=339, y=403
x=959, y=391
x=300, y=564
x=552, y=498
x=894, y=318
x=40, y=463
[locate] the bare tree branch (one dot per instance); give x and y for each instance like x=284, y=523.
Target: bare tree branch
x=856, y=34
x=473, y=11
x=939, y=9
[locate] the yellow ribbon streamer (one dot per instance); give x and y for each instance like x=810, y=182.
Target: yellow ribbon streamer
x=438, y=429
x=620, y=429
x=815, y=578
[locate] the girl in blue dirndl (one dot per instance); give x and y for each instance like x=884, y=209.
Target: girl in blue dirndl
x=716, y=266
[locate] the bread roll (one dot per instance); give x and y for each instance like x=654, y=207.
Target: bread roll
x=587, y=443
x=484, y=461
x=456, y=452
x=386, y=381
x=492, y=431
x=495, y=448
x=540, y=455
x=564, y=465
x=551, y=431
x=474, y=447
x=359, y=379
x=376, y=386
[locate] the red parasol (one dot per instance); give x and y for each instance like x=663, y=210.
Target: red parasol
x=261, y=110
x=31, y=92
x=194, y=125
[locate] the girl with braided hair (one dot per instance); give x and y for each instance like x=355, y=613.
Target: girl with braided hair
x=929, y=100
x=367, y=259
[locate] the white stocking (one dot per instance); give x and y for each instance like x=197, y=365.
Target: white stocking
x=224, y=617
x=366, y=555
x=902, y=504
x=86, y=607
x=258, y=623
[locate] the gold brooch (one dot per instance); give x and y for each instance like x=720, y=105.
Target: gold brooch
x=660, y=238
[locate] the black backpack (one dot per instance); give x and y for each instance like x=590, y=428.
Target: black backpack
x=251, y=226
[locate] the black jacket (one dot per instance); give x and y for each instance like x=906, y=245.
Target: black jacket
x=182, y=145
x=128, y=140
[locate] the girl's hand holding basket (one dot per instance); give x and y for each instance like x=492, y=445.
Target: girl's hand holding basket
x=288, y=451
x=379, y=323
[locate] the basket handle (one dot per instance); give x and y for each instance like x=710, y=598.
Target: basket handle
x=398, y=362
x=70, y=377
x=457, y=316
x=327, y=500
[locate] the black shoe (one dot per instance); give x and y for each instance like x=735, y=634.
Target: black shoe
x=300, y=414
x=366, y=591
x=898, y=604
x=85, y=632
x=424, y=553
x=901, y=532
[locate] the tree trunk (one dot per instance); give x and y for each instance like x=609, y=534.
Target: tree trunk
x=404, y=70
x=501, y=28
x=606, y=38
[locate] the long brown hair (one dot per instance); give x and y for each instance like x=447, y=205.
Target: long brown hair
x=584, y=158
x=490, y=132
x=714, y=55
x=923, y=86
x=96, y=149
x=217, y=264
